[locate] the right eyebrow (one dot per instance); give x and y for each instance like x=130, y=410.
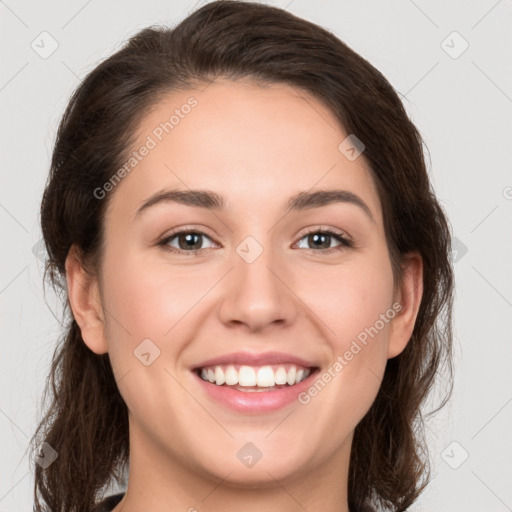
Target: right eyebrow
x=197, y=198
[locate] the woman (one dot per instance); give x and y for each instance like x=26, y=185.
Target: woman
x=257, y=273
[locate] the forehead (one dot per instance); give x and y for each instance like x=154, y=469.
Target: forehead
x=252, y=143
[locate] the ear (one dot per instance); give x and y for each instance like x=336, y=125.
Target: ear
x=85, y=301
x=409, y=297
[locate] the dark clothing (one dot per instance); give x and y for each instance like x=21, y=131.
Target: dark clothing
x=109, y=503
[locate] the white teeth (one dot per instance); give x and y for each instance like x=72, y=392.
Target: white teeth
x=219, y=376
x=281, y=376
x=290, y=379
x=231, y=376
x=248, y=376
x=266, y=377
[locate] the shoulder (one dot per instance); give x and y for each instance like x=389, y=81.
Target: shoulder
x=108, y=503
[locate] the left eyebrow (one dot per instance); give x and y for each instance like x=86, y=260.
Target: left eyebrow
x=213, y=201
x=306, y=200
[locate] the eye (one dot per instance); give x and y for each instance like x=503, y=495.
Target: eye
x=185, y=241
x=321, y=240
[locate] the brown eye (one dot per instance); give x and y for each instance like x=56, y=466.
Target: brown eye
x=322, y=240
x=185, y=241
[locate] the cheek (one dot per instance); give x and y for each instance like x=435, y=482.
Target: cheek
x=350, y=298
x=149, y=297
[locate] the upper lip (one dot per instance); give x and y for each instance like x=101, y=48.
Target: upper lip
x=251, y=359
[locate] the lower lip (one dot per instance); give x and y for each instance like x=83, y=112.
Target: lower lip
x=256, y=401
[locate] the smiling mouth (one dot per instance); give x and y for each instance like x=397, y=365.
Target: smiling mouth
x=255, y=378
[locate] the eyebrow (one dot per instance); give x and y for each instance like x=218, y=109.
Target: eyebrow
x=213, y=201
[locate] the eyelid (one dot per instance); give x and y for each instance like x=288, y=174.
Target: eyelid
x=187, y=228
x=326, y=229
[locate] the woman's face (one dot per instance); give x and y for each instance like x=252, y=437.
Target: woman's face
x=257, y=293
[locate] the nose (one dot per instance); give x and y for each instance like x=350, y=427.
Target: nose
x=259, y=295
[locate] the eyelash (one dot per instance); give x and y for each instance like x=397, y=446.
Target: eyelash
x=345, y=243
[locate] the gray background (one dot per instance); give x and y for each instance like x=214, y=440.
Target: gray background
x=461, y=102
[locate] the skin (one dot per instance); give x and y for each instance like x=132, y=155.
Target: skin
x=256, y=146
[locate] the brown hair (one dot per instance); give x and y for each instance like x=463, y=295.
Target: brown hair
x=86, y=421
